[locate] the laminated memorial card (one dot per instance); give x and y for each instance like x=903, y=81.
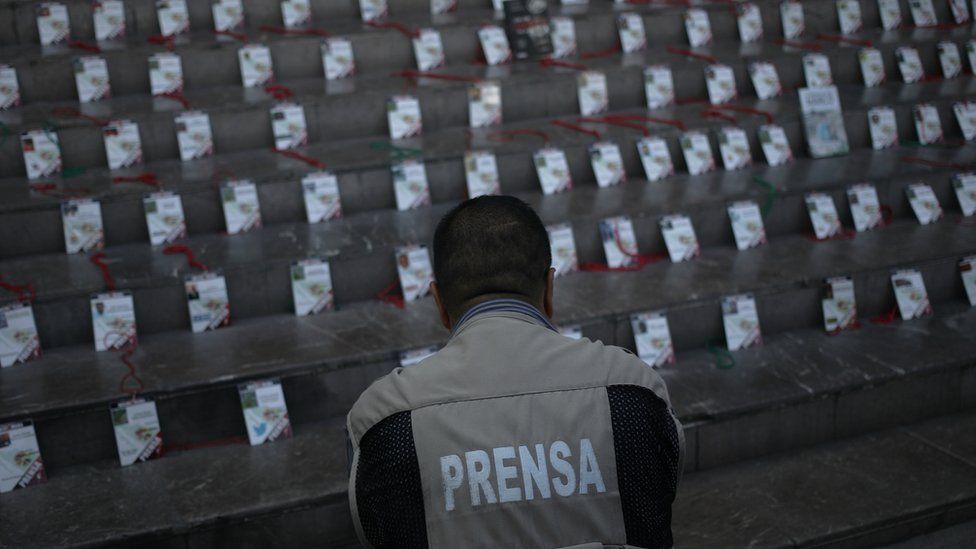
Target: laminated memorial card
x=414, y=271
x=562, y=246
x=839, y=305
x=108, y=18
x=823, y=122
x=740, y=318
x=698, y=28
x=416, y=356
x=960, y=11
x=765, y=80
x=320, y=191
x=697, y=152
x=228, y=15
x=872, y=67
x=928, y=127
x=816, y=70
x=865, y=206
x=619, y=242
x=257, y=68
x=164, y=217
x=630, y=27
x=52, y=23
x=82, y=221
x=883, y=127
x=890, y=12
x=775, y=145
x=165, y=74
x=193, y=135
x=311, y=287
x=655, y=158
x=481, y=173
x=410, y=184
x=438, y=7
x=296, y=13
x=733, y=146
x=909, y=64
x=288, y=126
x=494, y=45
x=528, y=27
x=91, y=79
x=923, y=13
x=608, y=166
x=910, y=294
x=591, y=89
x=428, y=50
x=749, y=20
x=823, y=215
x=965, y=186
x=265, y=412
x=553, y=170
x=9, y=88
x=658, y=86
x=242, y=211
x=20, y=457
x=173, y=17
x=113, y=320
x=563, y=36
x=679, y=238
x=652, y=338
x=42, y=154
x=572, y=331
x=791, y=17
x=720, y=82
x=337, y=58
x=747, y=225
x=138, y=435
x=484, y=104
x=123, y=146
x=207, y=301
x=849, y=16
x=403, y=116
x=19, y=341
x=967, y=270
x=949, y=59
x=971, y=54
x=371, y=10
x=924, y=203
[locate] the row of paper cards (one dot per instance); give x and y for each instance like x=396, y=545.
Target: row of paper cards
x=138, y=433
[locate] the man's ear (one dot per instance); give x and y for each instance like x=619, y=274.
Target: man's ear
x=445, y=318
x=547, y=298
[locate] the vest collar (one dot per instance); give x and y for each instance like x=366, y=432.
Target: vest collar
x=503, y=305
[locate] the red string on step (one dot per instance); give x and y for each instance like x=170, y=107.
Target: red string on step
x=641, y=260
x=239, y=36
x=50, y=189
x=146, y=178
x=226, y=441
x=177, y=96
x=395, y=25
x=25, y=292
x=185, y=250
x=745, y=110
x=84, y=46
x=576, y=128
x=886, y=318
x=711, y=113
x=644, y=118
x=161, y=40
x=510, y=135
x=886, y=215
x=856, y=325
x=295, y=155
x=415, y=74
x=68, y=112
x=125, y=356
x=97, y=259
x=809, y=46
x=616, y=122
x=844, y=234
x=279, y=92
x=844, y=39
x=692, y=54
x=601, y=53
x=550, y=62
x=386, y=295
x=301, y=32
x=931, y=163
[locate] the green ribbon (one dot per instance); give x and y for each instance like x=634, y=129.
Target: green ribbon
x=68, y=173
x=723, y=358
x=770, y=194
x=398, y=152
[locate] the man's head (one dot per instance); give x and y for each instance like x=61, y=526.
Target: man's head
x=489, y=247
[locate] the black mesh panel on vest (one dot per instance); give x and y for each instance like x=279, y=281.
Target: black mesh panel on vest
x=645, y=441
x=389, y=496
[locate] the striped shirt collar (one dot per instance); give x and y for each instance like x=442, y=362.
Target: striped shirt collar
x=504, y=305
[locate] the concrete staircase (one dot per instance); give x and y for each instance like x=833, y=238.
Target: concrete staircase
x=859, y=439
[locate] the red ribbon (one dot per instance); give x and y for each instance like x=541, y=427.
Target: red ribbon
x=185, y=250
x=576, y=128
x=743, y=109
x=177, y=96
x=856, y=325
x=601, y=53
x=386, y=295
x=692, y=54
x=651, y=119
x=931, y=163
x=239, y=36
x=303, y=32
x=510, y=135
x=68, y=112
x=711, y=113
x=279, y=92
x=405, y=30
x=125, y=356
x=886, y=318
x=886, y=215
x=167, y=41
x=25, y=292
x=810, y=46
x=641, y=259
x=844, y=234
x=615, y=122
x=550, y=62
x=414, y=74
x=50, y=189
x=206, y=444
x=97, y=258
x=847, y=39
x=299, y=156
x=146, y=178
x=79, y=45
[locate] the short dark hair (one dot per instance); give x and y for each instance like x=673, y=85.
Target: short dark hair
x=490, y=245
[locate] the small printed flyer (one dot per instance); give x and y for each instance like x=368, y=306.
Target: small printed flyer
x=52, y=23
x=265, y=412
x=823, y=215
x=82, y=220
x=924, y=203
x=720, y=82
x=165, y=74
x=733, y=145
x=372, y=10
x=173, y=16
x=321, y=193
x=740, y=317
x=658, y=86
x=415, y=271
x=698, y=28
x=679, y=238
x=608, y=165
x=765, y=80
x=967, y=270
x=849, y=15
x=949, y=59
x=494, y=45
x=481, y=173
x=909, y=64
x=416, y=356
x=749, y=21
x=552, y=170
x=563, y=36
x=890, y=11
x=865, y=206
x=775, y=145
x=311, y=287
x=228, y=15
x=164, y=217
x=403, y=115
x=928, y=126
x=910, y=294
x=193, y=135
x=296, y=13
x=655, y=158
x=839, y=305
x=747, y=225
x=242, y=211
x=484, y=104
x=19, y=341
x=410, y=184
x=428, y=50
x=563, y=248
x=138, y=435
x=697, y=152
x=965, y=186
x=653, y=338
x=42, y=153
x=20, y=457
x=923, y=13
x=591, y=88
x=91, y=79
x=113, y=320
x=206, y=298
x=572, y=331
x=965, y=112
x=123, y=146
x=619, y=242
x=337, y=58
x=438, y=7
x=288, y=126
x=791, y=16
x=872, y=67
x=883, y=127
x=256, y=65
x=9, y=87
x=109, y=19
x=630, y=28
x=816, y=70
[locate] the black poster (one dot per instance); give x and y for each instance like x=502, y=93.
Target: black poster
x=527, y=25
